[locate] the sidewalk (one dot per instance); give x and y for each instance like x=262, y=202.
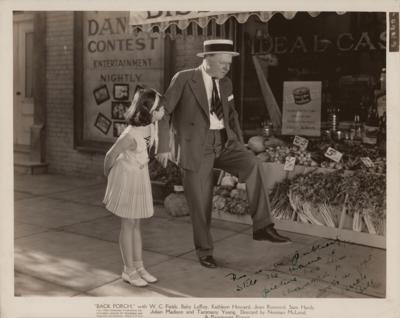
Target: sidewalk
x=66, y=244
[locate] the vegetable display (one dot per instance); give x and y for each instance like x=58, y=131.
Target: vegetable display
x=367, y=196
x=317, y=198
x=280, y=205
x=230, y=196
x=279, y=154
x=314, y=156
x=171, y=175
x=357, y=188
x=256, y=144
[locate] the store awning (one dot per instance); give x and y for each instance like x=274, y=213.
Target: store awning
x=162, y=20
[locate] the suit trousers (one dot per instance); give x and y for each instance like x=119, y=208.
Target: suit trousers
x=235, y=159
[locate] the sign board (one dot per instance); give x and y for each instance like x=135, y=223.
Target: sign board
x=300, y=142
x=333, y=154
x=289, y=163
x=115, y=61
x=147, y=17
x=301, y=111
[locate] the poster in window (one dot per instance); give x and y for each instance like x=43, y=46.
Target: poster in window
x=101, y=94
x=119, y=127
x=301, y=111
x=121, y=91
x=118, y=109
x=102, y=123
x=115, y=61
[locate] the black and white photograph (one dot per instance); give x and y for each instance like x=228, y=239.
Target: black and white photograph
x=102, y=123
x=121, y=91
x=118, y=127
x=118, y=109
x=278, y=127
x=101, y=94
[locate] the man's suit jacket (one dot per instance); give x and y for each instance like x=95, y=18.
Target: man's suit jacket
x=187, y=110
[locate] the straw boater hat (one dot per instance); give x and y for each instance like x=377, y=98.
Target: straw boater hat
x=217, y=46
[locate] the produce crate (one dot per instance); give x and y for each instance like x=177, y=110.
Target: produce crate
x=235, y=218
x=343, y=232
x=362, y=238
x=345, y=235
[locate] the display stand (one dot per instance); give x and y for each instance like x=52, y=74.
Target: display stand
x=343, y=232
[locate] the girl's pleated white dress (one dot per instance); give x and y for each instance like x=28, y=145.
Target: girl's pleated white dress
x=128, y=192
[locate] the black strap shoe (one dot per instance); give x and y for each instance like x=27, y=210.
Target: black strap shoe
x=269, y=233
x=208, y=261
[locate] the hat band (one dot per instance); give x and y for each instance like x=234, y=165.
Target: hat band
x=209, y=48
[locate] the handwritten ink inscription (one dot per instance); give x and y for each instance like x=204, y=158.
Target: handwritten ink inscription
x=243, y=281
x=325, y=267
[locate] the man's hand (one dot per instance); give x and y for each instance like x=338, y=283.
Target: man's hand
x=163, y=158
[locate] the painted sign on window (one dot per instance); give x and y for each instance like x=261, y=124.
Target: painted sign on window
x=115, y=61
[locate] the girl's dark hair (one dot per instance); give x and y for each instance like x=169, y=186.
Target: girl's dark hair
x=142, y=116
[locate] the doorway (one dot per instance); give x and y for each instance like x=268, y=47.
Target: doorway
x=23, y=79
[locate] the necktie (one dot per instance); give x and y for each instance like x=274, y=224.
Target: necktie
x=216, y=105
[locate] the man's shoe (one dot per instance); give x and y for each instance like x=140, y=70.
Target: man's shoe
x=269, y=233
x=208, y=261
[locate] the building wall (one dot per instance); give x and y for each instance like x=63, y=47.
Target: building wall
x=186, y=50
x=61, y=155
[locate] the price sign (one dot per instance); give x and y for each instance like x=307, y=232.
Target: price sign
x=178, y=188
x=333, y=154
x=367, y=162
x=289, y=163
x=300, y=142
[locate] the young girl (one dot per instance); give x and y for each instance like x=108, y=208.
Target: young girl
x=128, y=193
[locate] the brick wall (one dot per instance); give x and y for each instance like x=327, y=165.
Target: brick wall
x=185, y=52
x=61, y=156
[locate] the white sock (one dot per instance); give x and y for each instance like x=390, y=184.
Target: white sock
x=128, y=269
x=137, y=264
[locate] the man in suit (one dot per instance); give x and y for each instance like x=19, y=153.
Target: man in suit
x=200, y=107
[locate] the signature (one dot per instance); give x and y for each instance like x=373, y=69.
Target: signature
x=329, y=270
x=267, y=275
x=315, y=248
x=281, y=284
x=298, y=266
x=243, y=280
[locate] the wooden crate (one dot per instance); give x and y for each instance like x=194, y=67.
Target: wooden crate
x=343, y=232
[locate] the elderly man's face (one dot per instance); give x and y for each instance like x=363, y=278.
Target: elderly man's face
x=218, y=65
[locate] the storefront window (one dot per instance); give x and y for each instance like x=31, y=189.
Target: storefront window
x=115, y=61
x=345, y=52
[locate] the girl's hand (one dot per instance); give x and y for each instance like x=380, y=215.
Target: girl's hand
x=158, y=114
